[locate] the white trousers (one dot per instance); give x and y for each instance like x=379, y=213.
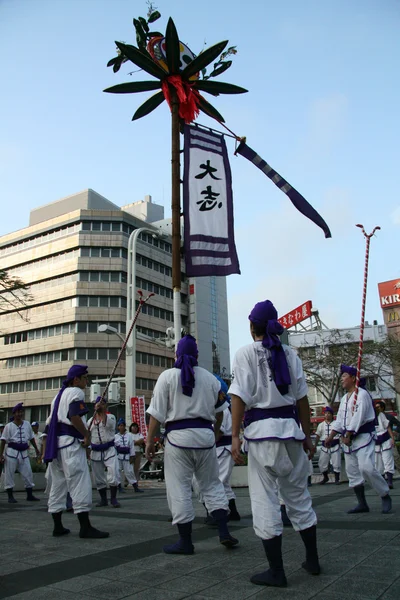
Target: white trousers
x=384, y=458
x=128, y=470
x=180, y=465
x=225, y=464
x=111, y=476
x=330, y=457
x=360, y=466
x=284, y=466
x=69, y=472
x=24, y=467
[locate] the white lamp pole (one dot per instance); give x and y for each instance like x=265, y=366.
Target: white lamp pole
x=130, y=358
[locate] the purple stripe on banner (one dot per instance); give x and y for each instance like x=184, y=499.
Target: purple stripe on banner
x=295, y=197
x=208, y=144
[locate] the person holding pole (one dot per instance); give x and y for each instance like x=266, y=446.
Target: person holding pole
x=384, y=444
x=355, y=422
x=269, y=390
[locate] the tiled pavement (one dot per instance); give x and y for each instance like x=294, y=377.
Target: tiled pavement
x=360, y=554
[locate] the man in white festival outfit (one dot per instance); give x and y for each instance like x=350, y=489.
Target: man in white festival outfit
x=332, y=454
x=270, y=391
x=66, y=443
x=355, y=422
x=185, y=398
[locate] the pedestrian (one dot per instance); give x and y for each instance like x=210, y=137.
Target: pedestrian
x=185, y=398
x=31, y=451
x=384, y=444
x=269, y=390
x=125, y=447
x=329, y=455
x=66, y=443
x=103, y=454
x=355, y=422
x=139, y=449
x=18, y=435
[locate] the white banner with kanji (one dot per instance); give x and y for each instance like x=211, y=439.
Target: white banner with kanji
x=138, y=411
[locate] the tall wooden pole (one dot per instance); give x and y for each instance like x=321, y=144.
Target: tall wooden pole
x=176, y=213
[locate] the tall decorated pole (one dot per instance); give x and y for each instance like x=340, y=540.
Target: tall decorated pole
x=180, y=76
x=363, y=303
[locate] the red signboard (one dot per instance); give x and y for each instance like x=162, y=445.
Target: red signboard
x=296, y=315
x=389, y=293
x=138, y=409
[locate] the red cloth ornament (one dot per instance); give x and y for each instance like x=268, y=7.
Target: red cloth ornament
x=187, y=96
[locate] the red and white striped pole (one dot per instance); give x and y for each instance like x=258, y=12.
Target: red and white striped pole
x=364, y=298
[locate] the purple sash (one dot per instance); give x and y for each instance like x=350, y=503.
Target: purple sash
x=384, y=437
x=278, y=412
x=64, y=429
x=20, y=447
x=333, y=443
x=102, y=447
x=123, y=449
x=368, y=427
x=188, y=424
x=224, y=440
x=52, y=437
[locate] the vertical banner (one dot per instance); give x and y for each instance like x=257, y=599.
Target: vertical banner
x=208, y=205
x=138, y=411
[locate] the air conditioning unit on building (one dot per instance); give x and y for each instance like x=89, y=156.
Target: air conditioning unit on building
x=95, y=390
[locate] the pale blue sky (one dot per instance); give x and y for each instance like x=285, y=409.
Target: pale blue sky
x=322, y=109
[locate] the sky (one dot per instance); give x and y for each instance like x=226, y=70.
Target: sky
x=322, y=110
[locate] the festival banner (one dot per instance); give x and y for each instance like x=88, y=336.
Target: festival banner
x=208, y=205
x=295, y=197
x=296, y=315
x=138, y=411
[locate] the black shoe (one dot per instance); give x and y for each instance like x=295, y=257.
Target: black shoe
x=309, y=537
x=233, y=515
x=309, y=482
x=137, y=489
x=362, y=506
x=11, y=499
x=184, y=544
x=30, y=497
x=221, y=517
x=325, y=478
x=389, y=479
x=386, y=504
x=59, y=530
x=275, y=575
x=337, y=478
x=87, y=531
x=103, y=498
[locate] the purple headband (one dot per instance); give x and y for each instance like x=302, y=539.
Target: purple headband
x=265, y=315
x=349, y=370
x=186, y=359
x=328, y=409
x=100, y=398
x=76, y=371
x=19, y=406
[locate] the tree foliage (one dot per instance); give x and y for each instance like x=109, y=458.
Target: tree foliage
x=14, y=294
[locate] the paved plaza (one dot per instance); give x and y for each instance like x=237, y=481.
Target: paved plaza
x=360, y=554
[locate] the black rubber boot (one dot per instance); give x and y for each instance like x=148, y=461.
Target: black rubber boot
x=58, y=530
x=309, y=537
x=386, y=504
x=233, y=515
x=362, y=506
x=103, y=497
x=275, y=575
x=30, y=497
x=114, y=502
x=325, y=479
x=137, y=489
x=337, y=478
x=121, y=489
x=389, y=479
x=208, y=519
x=11, y=499
x=184, y=544
x=225, y=538
x=309, y=481
x=87, y=531
x=285, y=519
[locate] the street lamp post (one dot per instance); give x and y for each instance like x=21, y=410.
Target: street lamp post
x=130, y=359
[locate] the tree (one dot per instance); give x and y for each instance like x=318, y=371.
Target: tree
x=322, y=359
x=14, y=294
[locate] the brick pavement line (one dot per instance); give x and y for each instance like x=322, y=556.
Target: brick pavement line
x=46, y=575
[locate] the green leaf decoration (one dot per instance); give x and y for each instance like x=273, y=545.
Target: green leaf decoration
x=133, y=87
x=143, y=23
x=148, y=106
x=207, y=108
x=203, y=59
x=219, y=87
x=112, y=61
x=224, y=67
x=141, y=60
x=140, y=34
x=154, y=16
x=172, y=48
